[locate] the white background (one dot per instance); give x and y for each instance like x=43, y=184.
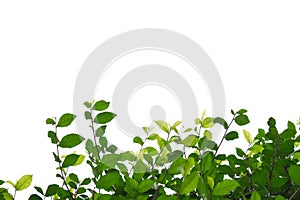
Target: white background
x=255, y=46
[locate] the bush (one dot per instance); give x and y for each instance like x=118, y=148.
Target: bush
x=268, y=169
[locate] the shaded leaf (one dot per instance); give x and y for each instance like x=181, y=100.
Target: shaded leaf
x=104, y=117
x=65, y=120
x=294, y=172
x=70, y=140
x=72, y=160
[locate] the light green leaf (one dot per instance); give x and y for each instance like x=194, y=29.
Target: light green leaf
x=208, y=122
x=188, y=130
x=190, y=140
x=104, y=117
x=70, y=140
x=101, y=105
x=189, y=183
x=208, y=134
x=210, y=182
x=224, y=187
x=294, y=172
x=247, y=136
x=87, y=104
x=72, y=160
x=164, y=126
x=198, y=121
x=65, y=120
x=24, y=182
x=255, y=196
x=279, y=197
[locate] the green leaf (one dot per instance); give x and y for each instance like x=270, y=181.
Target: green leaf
x=87, y=115
x=104, y=117
x=190, y=140
x=232, y=135
x=208, y=134
x=272, y=122
x=288, y=134
x=103, y=141
x=138, y=140
x=150, y=151
x=101, y=105
x=72, y=160
x=51, y=190
x=34, y=197
x=101, y=130
x=221, y=121
x=242, y=120
x=24, y=182
x=224, y=187
x=240, y=152
x=294, y=172
x=241, y=111
x=107, y=181
x=188, y=130
x=65, y=120
x=198, y=121
x=145, y=185
x=247, y=136
x=53, y=137
x=279, y=197
x=255, y=196
x=189, y=183
x=112, y=148
x=164, y=126
x=177, y=167
x=39, y=190
x=87, y=104
x=70, y=140
x=50, y=121
x=211, y=182
x=208, y=122
x=11, y=183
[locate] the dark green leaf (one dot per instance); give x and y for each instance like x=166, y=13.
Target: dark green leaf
x=65, y=120
x=101, y=130
x=145, y=185
x=241, y=111
x=51, y=190
x=72, y=160
x=24, y=182
x=240, y=152
x=70, y=140
x=101, y=105
x=221, y=121
x=255, y=196
x=272, y=122
x=50, y=121
x=232, y=135
x=104, y=117
x=34, y=197
x=242, y=120
x=74, y=177
x=53, y=137
x=138, y=140
x=107, y=181
x=86, y=181
x=39, y=190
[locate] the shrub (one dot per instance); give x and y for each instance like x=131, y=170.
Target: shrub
x=185, y=164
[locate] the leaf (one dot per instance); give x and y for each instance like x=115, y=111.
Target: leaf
x=65, y=120
x=104, y=117
x=208, y=134
x=112, y=148
x=240, y=152
x=247, y=136
x=188, y=130
x=34, y=197
x=138, y=140
x=50, y=121
x=53, y=137
x=107, y=181
x=51, y=190
x=224, y=187
x=103, y=141
x=87, y=115
x=211, y=182
x=189, y=183
x=221, y=121
x=294, y=172
x=242, y=120
x=101, y=130
x=232, y=135
x=208, y=122
x=70, y=140
x=39, y=190
x=190, y=140
x=177, y=166
x=72, y=160
x=255, y=196
x=272, y=122
x=279, y=197
x=150, y=151
x=164, y=126
x=87, y=104
x=24, y=182
x=145, y=185
x=101, y=105
x=198, y=121
x=241, y=111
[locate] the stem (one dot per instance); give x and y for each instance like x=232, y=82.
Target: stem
x=226, y=130
x=272, y=166
x=94, y=135
x=295, y=193
x=60, y=167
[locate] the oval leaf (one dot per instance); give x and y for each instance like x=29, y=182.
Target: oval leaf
x=224, y=187
x=100, y=105
x=104, y=117
x=24, y=182
x=242, y=120
x=70, y=140
x=72, y=160
x=294, y=172
x=65, y=120
x=189, y=183
x=247, y=136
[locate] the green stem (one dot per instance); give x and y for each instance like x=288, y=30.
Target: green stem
x=94, y=135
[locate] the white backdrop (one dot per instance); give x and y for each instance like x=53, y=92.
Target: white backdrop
x=254, y=45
